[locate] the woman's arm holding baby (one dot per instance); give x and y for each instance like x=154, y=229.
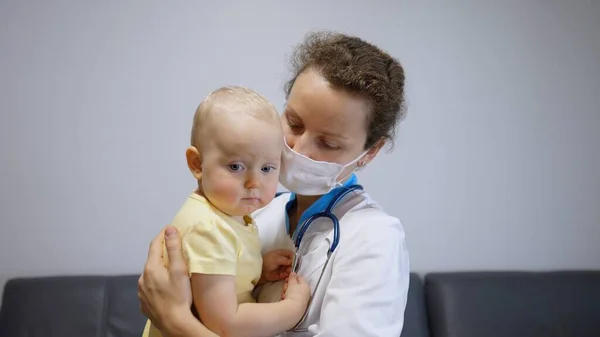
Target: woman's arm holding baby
x=164, y=292
x=216, y=302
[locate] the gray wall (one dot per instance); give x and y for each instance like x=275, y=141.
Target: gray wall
x=497, y=165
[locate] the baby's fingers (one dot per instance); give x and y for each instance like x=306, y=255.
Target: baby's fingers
x=300, y=279
x=297, y=279
x=283, y=274
x=281, y=260
x=286, y=253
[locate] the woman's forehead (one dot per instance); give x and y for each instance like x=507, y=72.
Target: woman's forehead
x=316, y=103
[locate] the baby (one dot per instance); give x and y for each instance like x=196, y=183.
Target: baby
x=235, y=155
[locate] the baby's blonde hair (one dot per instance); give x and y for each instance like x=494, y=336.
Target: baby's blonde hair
x=234, y=101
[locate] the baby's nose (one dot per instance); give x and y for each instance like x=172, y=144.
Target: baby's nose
x=252, y=181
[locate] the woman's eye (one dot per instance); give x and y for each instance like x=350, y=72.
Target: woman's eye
x=293, y=125
x=330, y=146
x=235, y=167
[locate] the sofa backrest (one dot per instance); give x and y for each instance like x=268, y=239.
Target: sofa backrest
x=515, y=304
x=95, y=306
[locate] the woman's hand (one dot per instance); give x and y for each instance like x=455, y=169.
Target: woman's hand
x=165, y=294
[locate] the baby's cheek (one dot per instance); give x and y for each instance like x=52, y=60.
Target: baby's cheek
x=272, y=190
x=271, y=187
x=272, y=180
x=227, y=190
x=221, y=190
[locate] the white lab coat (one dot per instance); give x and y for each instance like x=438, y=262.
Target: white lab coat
x=364, y=287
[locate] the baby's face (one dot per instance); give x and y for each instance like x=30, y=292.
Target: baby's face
x=240, y=165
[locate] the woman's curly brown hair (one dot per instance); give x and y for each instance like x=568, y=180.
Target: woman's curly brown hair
x=357, y=66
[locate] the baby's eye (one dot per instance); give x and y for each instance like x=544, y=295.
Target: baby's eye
x=235, y=167
x=267, y=169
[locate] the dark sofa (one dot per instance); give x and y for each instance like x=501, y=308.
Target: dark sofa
x=460, y=304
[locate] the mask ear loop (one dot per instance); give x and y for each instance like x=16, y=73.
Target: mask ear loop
x=359, y=166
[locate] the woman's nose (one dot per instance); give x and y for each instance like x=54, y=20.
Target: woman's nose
x=290, y=141
x=302, y=144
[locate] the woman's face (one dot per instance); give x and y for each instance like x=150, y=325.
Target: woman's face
x=324, y=123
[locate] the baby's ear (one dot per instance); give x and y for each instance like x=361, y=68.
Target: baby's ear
x=194, y=161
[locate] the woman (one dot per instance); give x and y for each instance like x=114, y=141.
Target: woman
x=343, y=103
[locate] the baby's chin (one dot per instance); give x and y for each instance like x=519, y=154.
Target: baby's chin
x=242, y=210
x=245, y=208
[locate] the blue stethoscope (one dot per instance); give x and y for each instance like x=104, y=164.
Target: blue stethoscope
x=327, y=213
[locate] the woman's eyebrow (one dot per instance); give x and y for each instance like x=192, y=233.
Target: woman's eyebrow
x=290, y=111
x=293, y=118
x=334, y=135
x=291, y=114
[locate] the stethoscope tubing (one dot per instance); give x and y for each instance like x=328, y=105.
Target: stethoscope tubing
x=336, y=238
x=327, y=213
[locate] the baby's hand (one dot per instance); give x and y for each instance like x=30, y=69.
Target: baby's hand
x=277, y=265
x=296, y=289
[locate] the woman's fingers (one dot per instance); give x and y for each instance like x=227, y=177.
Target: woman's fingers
x=145, y=310
x=161, y=289
x=178, y=269
x=142, y=299
x=155, y=250
x=140, y=294
x=177, y=265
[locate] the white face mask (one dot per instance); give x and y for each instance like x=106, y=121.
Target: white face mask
x=305, y=176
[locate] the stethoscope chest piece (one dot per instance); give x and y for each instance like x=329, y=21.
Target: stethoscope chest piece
x=297, y=261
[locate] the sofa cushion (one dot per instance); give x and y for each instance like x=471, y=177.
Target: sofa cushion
x=415, y=319
x=123, y=315
x=531, y=304
x=71, y=306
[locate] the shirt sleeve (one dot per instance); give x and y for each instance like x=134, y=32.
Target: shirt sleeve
x=210, y=247
x=368, y=289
